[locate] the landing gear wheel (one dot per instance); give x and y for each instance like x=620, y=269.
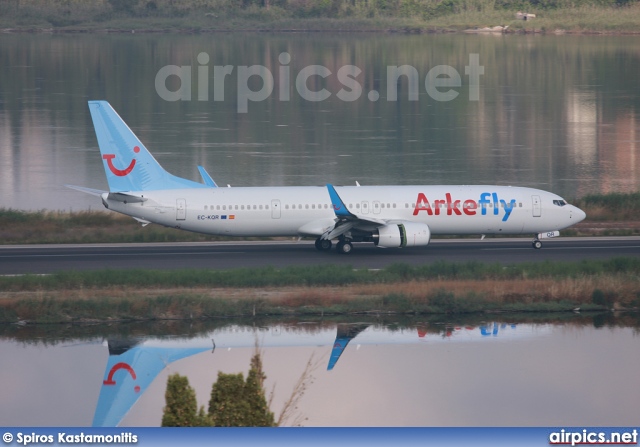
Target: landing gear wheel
x=323, y=244
x=536, y=244
x=344, y=248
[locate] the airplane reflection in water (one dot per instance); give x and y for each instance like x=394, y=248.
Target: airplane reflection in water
x=133, y=364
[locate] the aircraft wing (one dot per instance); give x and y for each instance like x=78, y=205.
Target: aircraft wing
x=346, y=219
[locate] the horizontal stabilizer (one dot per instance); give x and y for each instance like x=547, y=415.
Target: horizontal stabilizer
x=93, y=192
x=126, y=198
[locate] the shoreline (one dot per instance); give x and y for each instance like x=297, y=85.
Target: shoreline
x=188, y=31
x=191, y=18
x=141, y=305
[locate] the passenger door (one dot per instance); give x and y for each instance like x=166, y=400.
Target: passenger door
x=181, y=209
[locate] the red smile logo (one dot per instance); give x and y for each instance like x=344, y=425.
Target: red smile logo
x=117, y=367
x=116, y=171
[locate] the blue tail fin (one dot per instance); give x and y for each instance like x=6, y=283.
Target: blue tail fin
x=128, y=164
x=140, y=365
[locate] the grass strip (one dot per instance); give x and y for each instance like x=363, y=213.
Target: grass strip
x=322, y=275
x=441, y=287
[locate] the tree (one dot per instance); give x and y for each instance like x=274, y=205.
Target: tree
x=236, y=403
x=259, y=414
x=227, y=407
x=181, y=406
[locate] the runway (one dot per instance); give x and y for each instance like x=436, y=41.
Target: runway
x=42, y=259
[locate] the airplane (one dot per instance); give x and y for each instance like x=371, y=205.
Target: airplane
x=388, y=216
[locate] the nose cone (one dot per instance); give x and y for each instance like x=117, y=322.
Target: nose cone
x=578, y=215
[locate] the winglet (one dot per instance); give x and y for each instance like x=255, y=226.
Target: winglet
x=338, y=205
x=345, y=333
x=206, y=177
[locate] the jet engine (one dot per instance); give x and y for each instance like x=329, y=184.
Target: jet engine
x=406, y=234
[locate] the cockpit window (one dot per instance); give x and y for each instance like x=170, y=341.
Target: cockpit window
x=559, y=202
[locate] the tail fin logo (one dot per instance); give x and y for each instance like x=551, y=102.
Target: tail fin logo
x=117, y=367
x=120, y=172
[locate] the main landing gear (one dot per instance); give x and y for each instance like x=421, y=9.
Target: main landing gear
x=323, y=244
x=344, y=246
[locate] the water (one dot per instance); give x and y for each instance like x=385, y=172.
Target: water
x=578, y=371
x=555, y=112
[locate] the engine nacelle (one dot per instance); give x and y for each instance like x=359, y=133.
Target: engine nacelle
x=406, y=234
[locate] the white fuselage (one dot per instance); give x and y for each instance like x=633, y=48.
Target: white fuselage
x=307, y=210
